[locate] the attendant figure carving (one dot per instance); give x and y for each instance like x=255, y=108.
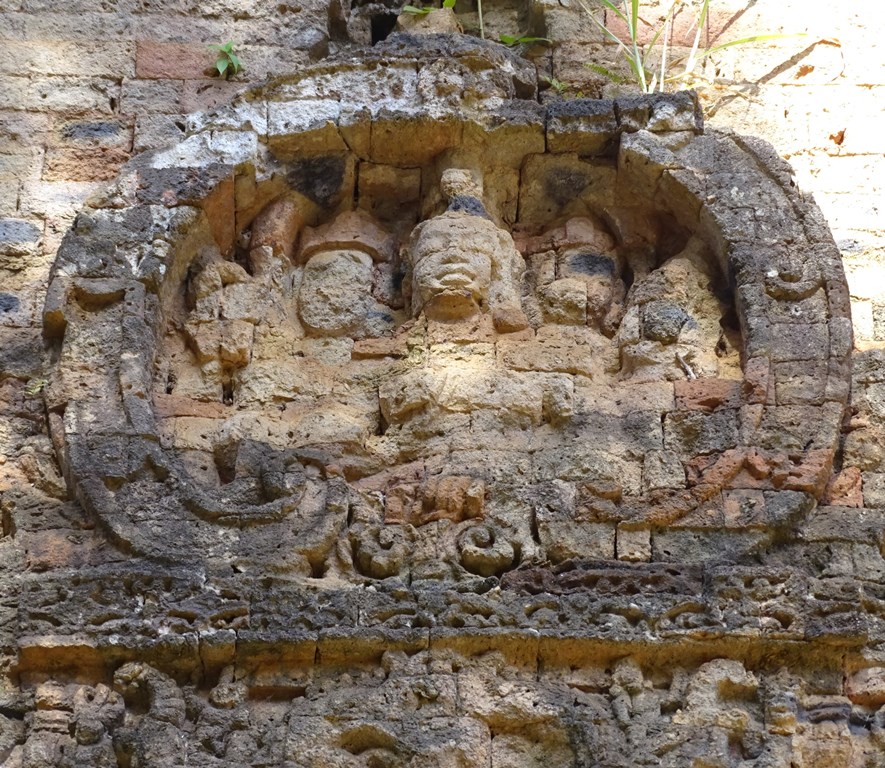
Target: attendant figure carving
x=454, y=375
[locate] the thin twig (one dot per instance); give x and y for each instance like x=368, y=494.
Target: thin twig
x=668, y=25
x=686, y=368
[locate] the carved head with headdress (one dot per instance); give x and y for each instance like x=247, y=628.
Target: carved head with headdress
x=342, y=263
x=462, y=263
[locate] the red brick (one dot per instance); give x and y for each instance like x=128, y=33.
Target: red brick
x=757, y=379
x=707, y=394
x=173, y=61
x=845, y=489
x=810, y=474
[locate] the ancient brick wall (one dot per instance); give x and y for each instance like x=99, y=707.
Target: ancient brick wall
x=802, y=94
x=87, y=83
x=622, y=507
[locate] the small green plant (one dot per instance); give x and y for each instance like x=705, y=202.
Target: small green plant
x=227, y=63
x=423, y=11
x=565, y=90
x=512, y=40
x=649, y=67
x=35, y=386
x=557, y=85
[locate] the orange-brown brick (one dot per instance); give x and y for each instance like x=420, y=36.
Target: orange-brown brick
x=173, y=61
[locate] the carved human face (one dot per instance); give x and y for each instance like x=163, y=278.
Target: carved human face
x=452, y=261
x=335, y=296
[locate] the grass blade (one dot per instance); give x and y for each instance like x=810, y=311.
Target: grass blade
x=600, y=70
x=665, y=48
x=700, y=21
x=612, y=7
x=606, y=31
x=522, y=40
x=636, y=59
x=669, y=17
x=752, y=39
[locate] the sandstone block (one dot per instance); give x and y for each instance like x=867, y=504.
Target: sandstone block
x=61, y=94
x=173, y=61
x=791, y=428
x=101, y=164
x=843, y=524
x=845, y=489
x=313, y=122
x=193, y=433
x=156, y=129
x=550, y=183
x=744, y=509
x=235, y=344
x=633, y=545
x=692, y=546
x=565, y=540
x=198, y=95
x=383, y=189
x=145, y=97
x=800, y=383
x=792, y=342
x=565, y=301
x=91, y=58
x=695, y=432
x=867, y=687
x=707, y=394
x=662, y=469
x=19, y=243
x=863, y=448
x=874, y=489
x=587, y=126
x=243, y=301
x=452, y=497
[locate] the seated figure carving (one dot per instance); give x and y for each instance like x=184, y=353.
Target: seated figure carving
x=577, y=272
x=672, y=329
x=469, y=386
x=338, y=282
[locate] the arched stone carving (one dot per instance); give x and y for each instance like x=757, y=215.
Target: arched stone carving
x=642, y=354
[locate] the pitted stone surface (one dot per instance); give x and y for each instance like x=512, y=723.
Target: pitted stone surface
x=341, y=402
x=441, y=427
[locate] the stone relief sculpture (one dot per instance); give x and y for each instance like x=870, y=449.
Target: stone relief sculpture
x=441, y=427
x=723, y=714
x=479, y=348
x=437, y=391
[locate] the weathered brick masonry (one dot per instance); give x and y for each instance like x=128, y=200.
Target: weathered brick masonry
x=273, y=492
